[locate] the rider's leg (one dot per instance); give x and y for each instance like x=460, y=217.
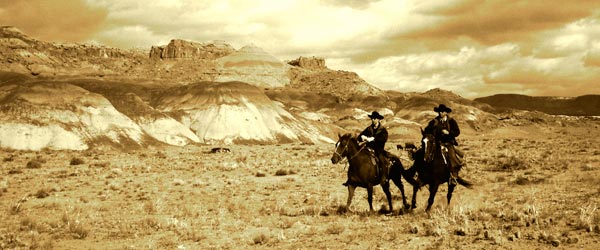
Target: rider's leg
x=454, y=164
x=383, y=166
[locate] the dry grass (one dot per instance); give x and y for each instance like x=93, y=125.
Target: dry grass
x=530, y=193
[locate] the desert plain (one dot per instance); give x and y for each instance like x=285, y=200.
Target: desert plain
x=536, y=187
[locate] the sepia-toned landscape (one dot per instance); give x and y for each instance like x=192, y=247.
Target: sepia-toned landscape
x=535, y=187
x=175, y=139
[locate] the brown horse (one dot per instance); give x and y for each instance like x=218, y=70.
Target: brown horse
x=429, y=163
x=362, y=171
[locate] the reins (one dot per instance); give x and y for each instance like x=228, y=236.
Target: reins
x=346, y=150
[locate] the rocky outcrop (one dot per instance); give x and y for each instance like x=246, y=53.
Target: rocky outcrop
x=178, y=49
x=180, y=61
x=253, y=65
x=340, y=83
x=311, y=63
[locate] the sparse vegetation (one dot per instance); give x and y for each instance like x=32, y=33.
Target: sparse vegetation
x=34, y=164
x=201, y=201
x=76, y=161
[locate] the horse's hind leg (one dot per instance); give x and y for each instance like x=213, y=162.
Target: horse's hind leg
x=370, y=197
x=386, y=189
x=350, y=195
x=401, y=187
x=432, y=191
x=396, y=176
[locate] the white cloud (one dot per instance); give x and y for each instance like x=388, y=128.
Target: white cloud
x=404, y=45
x=133, y=36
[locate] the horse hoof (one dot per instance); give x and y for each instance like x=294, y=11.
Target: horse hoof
x=342, y=209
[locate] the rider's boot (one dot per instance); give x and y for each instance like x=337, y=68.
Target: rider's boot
x=453, y=176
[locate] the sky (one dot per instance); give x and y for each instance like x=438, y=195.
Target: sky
x=473, y=48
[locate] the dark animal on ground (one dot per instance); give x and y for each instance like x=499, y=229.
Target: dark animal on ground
x=220, y=150
x=409, y=146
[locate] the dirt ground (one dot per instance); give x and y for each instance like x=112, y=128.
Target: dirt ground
x=536, y=188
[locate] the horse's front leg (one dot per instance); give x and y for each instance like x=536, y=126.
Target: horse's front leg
x=414, y=196
x=370, y=197
x=386, y=189
x=450, y=190
x=350, y=195
x=433, y=188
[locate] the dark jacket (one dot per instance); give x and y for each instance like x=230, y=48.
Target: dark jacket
x=436, y=126
x=380, y=134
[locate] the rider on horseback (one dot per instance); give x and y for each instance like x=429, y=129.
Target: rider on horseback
x=375, y=136
x=445, y=130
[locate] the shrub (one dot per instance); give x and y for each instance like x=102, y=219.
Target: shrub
x=42, y=193
x=76, y=161
x=34, y=164
x=9, y=158
x=281, y=172
x=335, y=228
x=260, y=239
x=77, y=230
x=509, y=163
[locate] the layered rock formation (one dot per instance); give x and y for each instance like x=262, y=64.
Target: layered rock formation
x=181, y=49
x=187, y=92
x=236, y=112
x=253, y=65
x=60, y=116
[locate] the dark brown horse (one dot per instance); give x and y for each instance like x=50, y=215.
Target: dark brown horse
x=362, y=171
x=432, y=170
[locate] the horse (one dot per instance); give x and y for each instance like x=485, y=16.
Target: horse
x=363, y=172
x=432, y=170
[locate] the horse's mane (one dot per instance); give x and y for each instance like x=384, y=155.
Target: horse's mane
x=350, y=136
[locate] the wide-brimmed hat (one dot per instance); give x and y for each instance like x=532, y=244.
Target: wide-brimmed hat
x=375, y=115
x=442, y=108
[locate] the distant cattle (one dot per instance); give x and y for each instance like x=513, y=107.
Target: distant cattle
x=409, y=146
x=220, y=150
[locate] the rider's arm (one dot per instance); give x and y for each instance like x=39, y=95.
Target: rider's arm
x=454, y=130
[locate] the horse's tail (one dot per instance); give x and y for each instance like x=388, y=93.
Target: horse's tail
x=464, y=182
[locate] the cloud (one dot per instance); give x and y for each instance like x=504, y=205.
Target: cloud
x=471, y=47
x=443, y=25
x=473, y=72
x=59, y=20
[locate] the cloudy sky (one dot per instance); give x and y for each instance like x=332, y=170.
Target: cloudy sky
x=471, y=47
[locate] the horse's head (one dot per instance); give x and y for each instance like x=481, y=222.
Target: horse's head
x=341, y=148
x=428, y=145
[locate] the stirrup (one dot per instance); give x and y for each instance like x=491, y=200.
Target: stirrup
x=453, y=181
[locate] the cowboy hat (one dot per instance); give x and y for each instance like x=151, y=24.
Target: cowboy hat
x=375, y=115
x=442, y=108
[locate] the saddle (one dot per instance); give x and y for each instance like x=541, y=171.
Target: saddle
x=457, y=159
x=381, y=166
x=374, y=159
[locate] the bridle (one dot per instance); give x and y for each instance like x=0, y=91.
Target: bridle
x=428, y=155
x=345, y=151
